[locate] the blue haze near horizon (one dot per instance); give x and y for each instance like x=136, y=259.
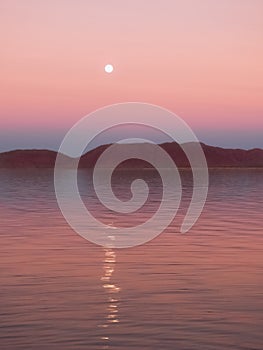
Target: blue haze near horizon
x=47, y=139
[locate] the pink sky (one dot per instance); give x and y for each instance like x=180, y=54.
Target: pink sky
x=201, y=59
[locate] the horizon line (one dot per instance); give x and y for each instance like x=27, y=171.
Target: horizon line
x=111, y=143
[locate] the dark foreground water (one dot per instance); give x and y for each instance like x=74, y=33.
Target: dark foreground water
x=202, y=290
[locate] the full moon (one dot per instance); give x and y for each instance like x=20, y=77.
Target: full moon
x=108, y=68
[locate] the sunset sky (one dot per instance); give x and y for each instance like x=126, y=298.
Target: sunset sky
x=202, y=59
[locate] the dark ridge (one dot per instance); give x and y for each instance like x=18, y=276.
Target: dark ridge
x=216, y=157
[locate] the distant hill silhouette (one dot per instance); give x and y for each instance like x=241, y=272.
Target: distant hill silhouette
x=215, y=156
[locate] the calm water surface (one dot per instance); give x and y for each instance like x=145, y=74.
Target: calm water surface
x=202, y=290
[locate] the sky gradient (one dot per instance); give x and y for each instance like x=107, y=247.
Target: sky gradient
x=200, y=59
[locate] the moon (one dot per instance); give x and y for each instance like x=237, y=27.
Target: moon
x=108, y=68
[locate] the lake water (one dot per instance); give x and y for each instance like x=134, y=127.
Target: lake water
x=202, y=290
